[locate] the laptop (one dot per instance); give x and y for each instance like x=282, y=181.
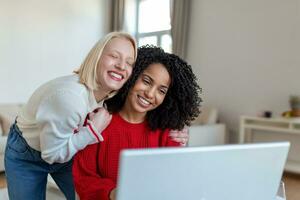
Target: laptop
x=228, y=172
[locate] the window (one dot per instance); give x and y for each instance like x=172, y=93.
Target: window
x=153, y=24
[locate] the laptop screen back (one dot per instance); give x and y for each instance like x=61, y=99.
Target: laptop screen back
x=230, y=172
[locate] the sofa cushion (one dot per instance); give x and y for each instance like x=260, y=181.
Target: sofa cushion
x=8, y=113
x=208, y=115
x=2, y=144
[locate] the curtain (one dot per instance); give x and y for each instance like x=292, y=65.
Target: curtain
x=124, y=16
x=179, y=23
x=117, y=18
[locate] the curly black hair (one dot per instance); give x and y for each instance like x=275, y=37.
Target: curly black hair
x=182, y=101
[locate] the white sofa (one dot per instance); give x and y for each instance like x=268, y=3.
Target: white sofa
x=206, y=131
x=8, y=113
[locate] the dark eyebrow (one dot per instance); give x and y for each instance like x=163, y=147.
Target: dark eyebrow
x=166, y=87
x=151, y=79
x=147, y=76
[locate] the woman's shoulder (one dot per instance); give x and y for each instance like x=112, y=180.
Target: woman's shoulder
x=65, y=84
x=63, y=90
x=68, y=82
x=164, y=133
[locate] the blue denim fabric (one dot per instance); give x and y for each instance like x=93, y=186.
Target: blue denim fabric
x=27, y=172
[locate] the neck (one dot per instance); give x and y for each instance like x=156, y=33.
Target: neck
x=100, y=95
x=130, y=116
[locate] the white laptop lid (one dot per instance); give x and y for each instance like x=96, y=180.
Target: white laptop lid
x=230, y=172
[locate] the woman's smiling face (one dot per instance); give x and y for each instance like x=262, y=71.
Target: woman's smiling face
x=149, y=90
x=115, y=64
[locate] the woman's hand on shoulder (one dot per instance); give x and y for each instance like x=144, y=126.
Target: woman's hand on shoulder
x=181, y=136
x=100, y=118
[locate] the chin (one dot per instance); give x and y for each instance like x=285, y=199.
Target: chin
x=115, y=86
x=142, y=110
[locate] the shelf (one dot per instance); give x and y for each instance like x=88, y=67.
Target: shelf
x=295, y=120
x=282, y=126
x=269, y=128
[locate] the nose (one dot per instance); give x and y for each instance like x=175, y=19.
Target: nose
x=150, y=92
x=121, y=65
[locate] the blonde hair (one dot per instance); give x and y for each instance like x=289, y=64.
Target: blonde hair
x=88, y=69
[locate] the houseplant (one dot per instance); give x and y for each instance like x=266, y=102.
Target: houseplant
x=295, y=105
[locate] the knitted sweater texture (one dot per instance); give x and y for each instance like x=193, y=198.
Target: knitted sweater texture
x=95, y=169
x=54, y=112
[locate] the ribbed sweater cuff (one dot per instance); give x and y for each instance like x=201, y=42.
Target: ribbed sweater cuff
x=94, y=131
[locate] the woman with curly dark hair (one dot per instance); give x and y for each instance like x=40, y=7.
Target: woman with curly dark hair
x=161, y=94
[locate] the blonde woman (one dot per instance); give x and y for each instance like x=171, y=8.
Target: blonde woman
x=52, y=126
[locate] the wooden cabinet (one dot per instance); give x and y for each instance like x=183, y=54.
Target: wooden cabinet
x=258, y=129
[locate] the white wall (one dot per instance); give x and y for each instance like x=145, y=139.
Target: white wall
x=246, y=54
x=43, y=39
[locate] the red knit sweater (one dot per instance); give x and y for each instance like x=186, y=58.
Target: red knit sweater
x=95, y=169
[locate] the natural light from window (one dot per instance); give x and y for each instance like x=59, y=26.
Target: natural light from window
x=154, y=23
x=154, y=15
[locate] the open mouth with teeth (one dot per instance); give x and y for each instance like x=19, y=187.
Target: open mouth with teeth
x=143, y=101
x=116, y=76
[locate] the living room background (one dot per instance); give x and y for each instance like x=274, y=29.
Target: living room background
x=246, y=53
x=41, y=40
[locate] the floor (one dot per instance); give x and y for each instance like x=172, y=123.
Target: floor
x=292, y=185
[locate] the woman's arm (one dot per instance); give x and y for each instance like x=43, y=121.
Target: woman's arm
x=88, y=182
x=59, y=117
